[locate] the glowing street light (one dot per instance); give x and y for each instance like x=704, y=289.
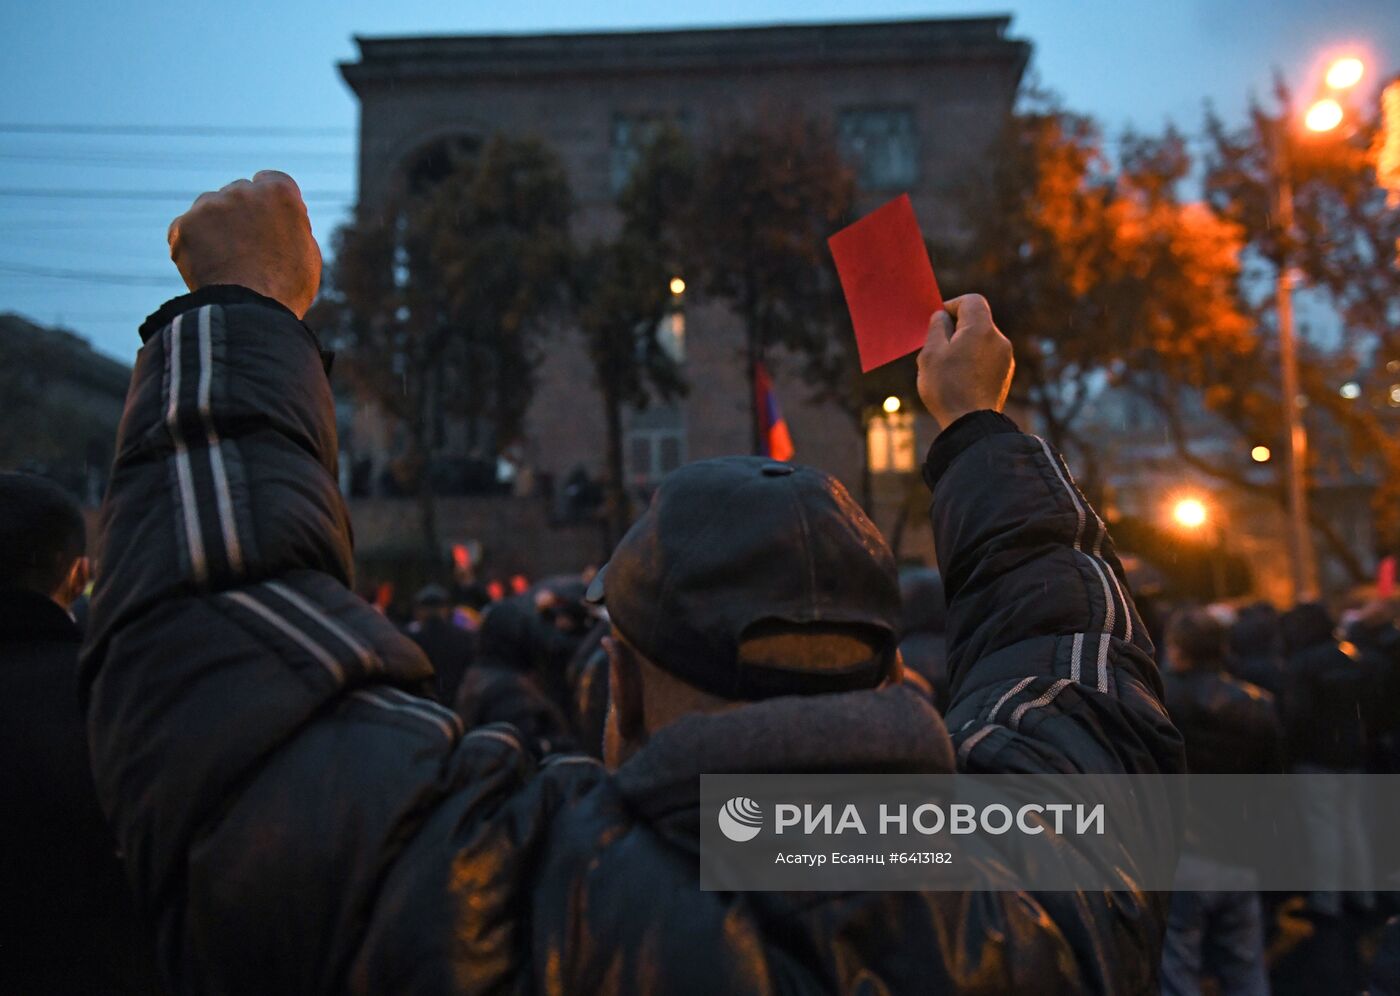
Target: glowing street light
x=1351, y=390
x=677, y=286
x=1189, y=512
x=891, y=405
x=1260, y=454
x=1345, y=73
x=1324, y=115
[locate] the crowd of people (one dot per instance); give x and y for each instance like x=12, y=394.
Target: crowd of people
x=228, y=773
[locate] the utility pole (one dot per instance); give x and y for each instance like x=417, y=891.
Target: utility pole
x=1303, y=560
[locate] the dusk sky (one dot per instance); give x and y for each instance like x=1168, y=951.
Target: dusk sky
x=113, y=115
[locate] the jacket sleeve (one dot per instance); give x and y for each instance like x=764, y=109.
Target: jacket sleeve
x=293, y=817
x=1051, y=672
x=1050, y=667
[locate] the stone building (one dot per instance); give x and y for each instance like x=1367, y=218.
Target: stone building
x=914, y=105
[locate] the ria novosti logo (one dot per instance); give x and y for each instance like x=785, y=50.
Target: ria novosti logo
x=740, y=819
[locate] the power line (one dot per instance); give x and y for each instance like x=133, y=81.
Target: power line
x=15, y=128
x=89, y=276
x=178, y=161
x=74, y=193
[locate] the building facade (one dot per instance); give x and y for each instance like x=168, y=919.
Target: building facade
x=914, y=105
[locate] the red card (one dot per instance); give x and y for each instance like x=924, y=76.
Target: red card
x=888, y=282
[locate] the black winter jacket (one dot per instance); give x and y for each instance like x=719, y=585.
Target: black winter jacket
x=1229, y=725
x=67, y=920
x=301, y=822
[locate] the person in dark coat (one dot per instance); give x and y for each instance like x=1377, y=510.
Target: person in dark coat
x=1325, y=702
x=504, y=686
x=67, y=922
x=924, y=641
x=1230, y=727
x=449, y=647
x=303, y=823
x=1256, y=648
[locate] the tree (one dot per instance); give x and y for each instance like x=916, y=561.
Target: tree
x=436, y=300
x=1092, y=268
x=768, y=193
x=1344, y=246
x=622, y=295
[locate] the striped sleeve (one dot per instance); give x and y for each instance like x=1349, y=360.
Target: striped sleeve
x=1049, y=662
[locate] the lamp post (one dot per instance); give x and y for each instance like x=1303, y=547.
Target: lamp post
x=1324, y=115
x=1300, y=551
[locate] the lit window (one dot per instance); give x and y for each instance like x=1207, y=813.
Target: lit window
x=670, y=334
x=880, y=143
x=890, y=441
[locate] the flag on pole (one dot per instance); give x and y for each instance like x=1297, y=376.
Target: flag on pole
x=776, y=441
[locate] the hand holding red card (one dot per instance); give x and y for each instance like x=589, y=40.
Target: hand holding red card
x=888, y=282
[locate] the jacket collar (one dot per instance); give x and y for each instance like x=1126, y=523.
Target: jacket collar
x=28, y=615
x=887, y=730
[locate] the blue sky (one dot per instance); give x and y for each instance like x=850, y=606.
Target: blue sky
x=97, y=262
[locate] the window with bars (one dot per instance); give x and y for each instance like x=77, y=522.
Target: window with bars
x=631, y=132
x=655, y=444
x=882, y=146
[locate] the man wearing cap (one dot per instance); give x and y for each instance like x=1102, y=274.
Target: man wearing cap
x=302, y=822
x=449, y=648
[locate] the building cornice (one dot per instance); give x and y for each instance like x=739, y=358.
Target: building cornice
x=458, y=58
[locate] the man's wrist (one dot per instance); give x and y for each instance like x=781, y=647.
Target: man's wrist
x=227, y=294
x=958, y=436
x=208, y=294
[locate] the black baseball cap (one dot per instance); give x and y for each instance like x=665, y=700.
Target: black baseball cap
x=729, y=545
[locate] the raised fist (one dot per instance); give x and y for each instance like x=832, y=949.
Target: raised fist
x=254, y=233
x=965, y=368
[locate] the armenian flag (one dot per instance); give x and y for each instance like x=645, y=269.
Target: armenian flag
x=773, y=430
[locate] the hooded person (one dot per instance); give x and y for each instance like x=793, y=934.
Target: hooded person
x=335, y=833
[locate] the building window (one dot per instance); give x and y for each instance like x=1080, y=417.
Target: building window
x=880, y=143
x=631, y=133
x=889, y=440
x=655, y=444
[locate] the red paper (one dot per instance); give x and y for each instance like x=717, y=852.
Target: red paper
x=888, y=281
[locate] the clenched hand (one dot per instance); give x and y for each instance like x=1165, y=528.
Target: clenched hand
x=254, y=233
x=966, y=368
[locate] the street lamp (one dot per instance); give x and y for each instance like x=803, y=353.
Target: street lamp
x=1190, y=512
x=1324, y=116
x=891, y=405
x=1345, y=73
x=677, y=286
x=1193, y=516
